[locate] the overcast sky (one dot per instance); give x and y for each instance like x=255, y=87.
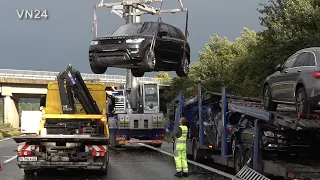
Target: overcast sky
x=50, y=44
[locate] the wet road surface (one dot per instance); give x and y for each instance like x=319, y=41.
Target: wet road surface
x=131, y=163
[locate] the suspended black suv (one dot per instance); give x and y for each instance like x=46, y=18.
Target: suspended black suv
x=131, y=46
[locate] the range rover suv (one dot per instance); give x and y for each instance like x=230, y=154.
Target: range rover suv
x=129, y=47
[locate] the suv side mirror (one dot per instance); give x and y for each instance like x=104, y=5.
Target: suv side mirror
x=163, y=33
x=278, y=68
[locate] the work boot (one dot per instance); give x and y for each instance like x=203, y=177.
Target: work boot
x=178, y=174
x=185, y=174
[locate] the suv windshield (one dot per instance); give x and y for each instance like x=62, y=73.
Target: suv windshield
x=147, y=28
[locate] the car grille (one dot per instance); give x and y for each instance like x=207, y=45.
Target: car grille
x=111, y=41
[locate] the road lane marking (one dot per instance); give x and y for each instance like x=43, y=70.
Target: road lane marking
x=195, y=163
x=5, y=139
x=10, y=159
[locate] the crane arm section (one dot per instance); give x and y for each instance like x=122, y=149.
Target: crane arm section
x=71, y=85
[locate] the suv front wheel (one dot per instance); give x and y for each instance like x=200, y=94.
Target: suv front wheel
x=183, y=67
x=97, y=70
x=137, y=72
x=149, y=60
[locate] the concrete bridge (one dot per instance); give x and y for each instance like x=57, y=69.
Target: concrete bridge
x=16, y=84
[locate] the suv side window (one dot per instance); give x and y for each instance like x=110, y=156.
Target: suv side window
x=173, y=32
x=165, y=27
x=176, y=33
x=301, y=59
x=311, y=60
x=289, y=63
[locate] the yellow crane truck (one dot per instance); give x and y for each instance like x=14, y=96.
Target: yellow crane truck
x=73, y=133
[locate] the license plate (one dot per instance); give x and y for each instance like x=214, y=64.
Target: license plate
x=109, y=48
x=27, y=159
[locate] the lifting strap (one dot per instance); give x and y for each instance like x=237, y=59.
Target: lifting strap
x=95, y=23
x=153, y=42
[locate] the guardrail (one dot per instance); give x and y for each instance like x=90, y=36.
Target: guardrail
x=47, y=75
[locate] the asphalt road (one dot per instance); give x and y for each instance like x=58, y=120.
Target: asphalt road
x=131, y=163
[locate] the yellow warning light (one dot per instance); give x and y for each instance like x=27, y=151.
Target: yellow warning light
x=103, y=119
x=210, y=146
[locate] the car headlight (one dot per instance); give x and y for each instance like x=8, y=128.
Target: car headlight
x=94, y=42
x=139, y=40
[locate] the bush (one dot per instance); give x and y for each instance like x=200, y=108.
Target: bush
x=10, y=133
x=5, y=125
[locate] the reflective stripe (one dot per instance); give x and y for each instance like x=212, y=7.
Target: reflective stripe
x=181, y=141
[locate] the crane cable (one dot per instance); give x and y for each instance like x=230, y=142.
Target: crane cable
x=153, y=42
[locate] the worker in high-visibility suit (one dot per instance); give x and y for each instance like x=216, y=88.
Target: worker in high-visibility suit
x=180, y=148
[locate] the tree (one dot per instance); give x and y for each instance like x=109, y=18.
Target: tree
x=219, y=64
x=243, y=65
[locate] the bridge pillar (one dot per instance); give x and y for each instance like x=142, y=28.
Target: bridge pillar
x=10, y=107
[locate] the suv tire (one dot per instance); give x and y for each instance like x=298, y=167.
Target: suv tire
x=97, y=70
x=149, y=60
x=137, y=72
x=268, y=103
x=183, y=67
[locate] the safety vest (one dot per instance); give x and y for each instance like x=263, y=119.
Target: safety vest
x=183, y=137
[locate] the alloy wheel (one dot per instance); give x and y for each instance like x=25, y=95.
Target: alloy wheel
x=300, y=101
x=151, y=59
x=185, y=65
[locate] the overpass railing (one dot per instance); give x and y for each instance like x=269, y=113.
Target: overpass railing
x=47, y=75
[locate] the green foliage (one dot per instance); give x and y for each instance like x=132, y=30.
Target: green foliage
x=165, y=76
x=242, y=65
x=10, y=133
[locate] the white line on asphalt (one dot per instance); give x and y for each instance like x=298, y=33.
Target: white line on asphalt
x=5, y=139
x=10, y=159
x=194, y=163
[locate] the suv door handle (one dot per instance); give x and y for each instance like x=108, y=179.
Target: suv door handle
x=299, y=70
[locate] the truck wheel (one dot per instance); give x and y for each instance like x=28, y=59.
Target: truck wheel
x=137, y=72
x=195, y=153
x=268, y=103
x=104, y=170
x=97, y=70
x=183, y=67
x=117, y=146
x=237, y=160
x=29, y=172
x=157, y=145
